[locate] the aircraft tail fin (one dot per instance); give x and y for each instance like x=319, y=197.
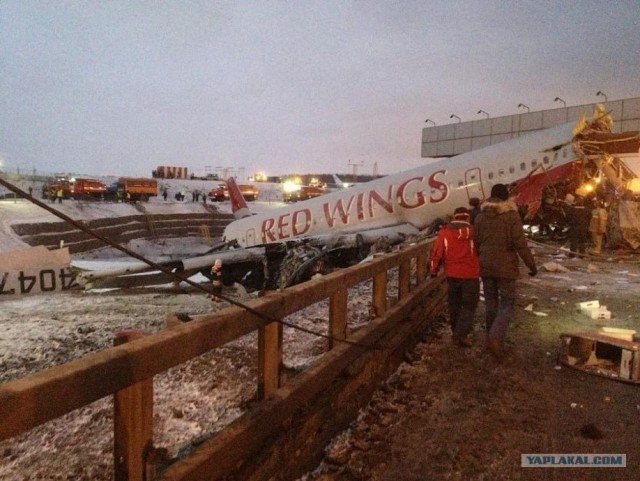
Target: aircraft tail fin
x=239, y=205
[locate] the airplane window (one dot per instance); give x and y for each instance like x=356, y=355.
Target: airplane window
x=473, y=177
x=555, y=156
x=564, y=153
x=460, y=183
x=545, y=160
x=490, y=175
x=523, y=166
x=534, y=164
x=512, y=169
x=501, y=172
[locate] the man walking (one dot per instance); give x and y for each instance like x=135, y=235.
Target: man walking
x=500, y=240
x=454, y=246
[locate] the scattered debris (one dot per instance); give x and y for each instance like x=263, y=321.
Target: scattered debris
x=554, y=267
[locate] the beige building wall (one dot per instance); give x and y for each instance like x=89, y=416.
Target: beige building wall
x=458, y=138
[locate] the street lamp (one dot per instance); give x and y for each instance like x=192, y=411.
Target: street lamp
x=456, y=117
x=601, y=94
x=429, y=120
x=483, y=112
x=558, y=99
x=524, y=107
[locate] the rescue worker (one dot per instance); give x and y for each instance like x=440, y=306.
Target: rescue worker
x=216, y=280
x=455, y=248
x=578, y=217
x=60, y=195
x=598, y=226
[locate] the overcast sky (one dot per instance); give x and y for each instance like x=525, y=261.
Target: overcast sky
x=120, y=87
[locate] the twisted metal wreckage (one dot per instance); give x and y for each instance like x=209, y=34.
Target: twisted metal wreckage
x=288, y=245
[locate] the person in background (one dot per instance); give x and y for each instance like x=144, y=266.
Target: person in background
x=60, y=195
x=474, y=202
x=578, y=217
x=499, y=238
x=455, y=248
x=598, y=226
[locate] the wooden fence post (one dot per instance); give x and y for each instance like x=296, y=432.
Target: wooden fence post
x=269, y=358
x=380, y=293
x=421, y=268
x=404, y=278
x=338, y=316
x=132, y=423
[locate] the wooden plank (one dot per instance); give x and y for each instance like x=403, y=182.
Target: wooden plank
x=26, y=403
x=404, y=278
x=288, y=432
x=380, y=293
x=132, y=423
x=338, y=316
x=269, y=359
x=421, y=268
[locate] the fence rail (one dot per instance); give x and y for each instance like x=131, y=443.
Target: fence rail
x=127, y=369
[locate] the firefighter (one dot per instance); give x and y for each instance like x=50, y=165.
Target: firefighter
x=598, y=226
x=216, y=280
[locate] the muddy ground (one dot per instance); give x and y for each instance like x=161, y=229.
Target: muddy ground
x=453, y=413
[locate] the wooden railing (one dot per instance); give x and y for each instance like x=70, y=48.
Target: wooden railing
x=127, y=370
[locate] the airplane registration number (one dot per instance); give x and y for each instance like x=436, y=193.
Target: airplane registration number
x=36, y=281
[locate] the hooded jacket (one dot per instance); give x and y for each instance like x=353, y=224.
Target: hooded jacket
x=500, y=239
x=455, y=246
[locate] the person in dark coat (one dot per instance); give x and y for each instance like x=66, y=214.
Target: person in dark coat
x=578, y=218
x=474, y=202
x=455, y=248
x=499, y=238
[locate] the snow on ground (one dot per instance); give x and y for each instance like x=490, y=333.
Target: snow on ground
x=192, y=400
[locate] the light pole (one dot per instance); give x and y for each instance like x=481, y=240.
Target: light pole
x=483, y=112
x=600, y=93
x=429, y=120
x=523, y=106
x=452, y=116
x=558, y=99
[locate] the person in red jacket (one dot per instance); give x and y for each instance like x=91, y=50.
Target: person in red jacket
x=455, y=248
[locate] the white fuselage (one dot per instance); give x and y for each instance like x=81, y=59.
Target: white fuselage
x=417, y=196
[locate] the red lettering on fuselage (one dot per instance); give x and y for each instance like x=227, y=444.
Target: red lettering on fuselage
x=343, y=214
x=283, y=222
x=417, y=200
x=267, y=231
x=441, y=187
x=386, y=204
x=296, y=221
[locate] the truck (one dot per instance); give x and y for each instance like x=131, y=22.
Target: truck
x=51, y=187
x=221, y=192
x=132, y=189
x=87, y=189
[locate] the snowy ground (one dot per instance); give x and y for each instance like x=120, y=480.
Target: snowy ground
x=192, y=400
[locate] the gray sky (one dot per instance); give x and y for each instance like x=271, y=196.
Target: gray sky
x=120, y=87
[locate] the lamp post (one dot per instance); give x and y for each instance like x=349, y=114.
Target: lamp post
x=600, y=93
x=455, y=116
x=483, y=112
x=523, y=106
x=429, y=120
x=558, y=99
